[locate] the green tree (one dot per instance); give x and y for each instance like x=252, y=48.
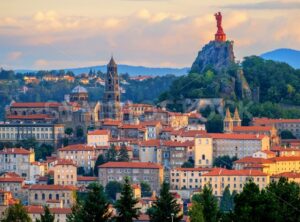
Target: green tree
x=286, y=134
x=69, y=131
x=227, y=201
x=209, y=203
x=188, y=164
x=112, y=188
x=79, y=132
x=16, y=213
x=100, y=160
x=111, y=154
x=165, y=208
x=146, y=189
x=215, y=124
x=196, y=212
x=126, y=205
x=224, y=161
x=286, y=196
x=94, y=208
x=47, y=216
x=123, y=154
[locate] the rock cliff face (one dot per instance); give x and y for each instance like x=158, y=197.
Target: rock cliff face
x=217, y=55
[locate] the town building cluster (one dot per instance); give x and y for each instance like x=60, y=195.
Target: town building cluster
x=159, y=143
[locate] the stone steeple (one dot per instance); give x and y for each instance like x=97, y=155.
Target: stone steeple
x=236, y=118
x=228, y=122
x=111, y=107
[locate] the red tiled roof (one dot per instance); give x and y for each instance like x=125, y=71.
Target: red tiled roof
x=32, y=116
x=65, y=162
x=19, y=151
x=235, y=136
x=252, y=128
x=288, y=175
x=286, y=158
x=129, y=126
x=11, y=180
x=152, y=143
x=51, y=187
x=253, y=160
x=147, y=165
x=77, y=147
x=225, y=172
x=83, y=178
x=111, y=122
x=150, y=123
x=266, y=121
x=36, y=104
x=98, y=132
x=40, y=210
x=198, y=169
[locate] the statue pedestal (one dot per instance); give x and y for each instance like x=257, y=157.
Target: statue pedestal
x=220, y=37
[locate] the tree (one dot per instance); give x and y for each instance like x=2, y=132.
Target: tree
x=123, y=154
x=43, y=151
x=126, y=205
x=188, y=164
x=209, y=203
x=165, y=208
x=227, y=201
x=47, y=216
x=111, y=154
x=286, y=134
x=80, y=170
x=215, y=124
x=79, y=132
x=95, y=208
x=224, y=161
x=112, y=188
x=69, y=131
x=16, y=213
x=146, y=189
x=100, y=160
x=196, y=212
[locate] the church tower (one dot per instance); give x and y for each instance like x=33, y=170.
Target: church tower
x=111, y=107
x=236, y=118
x=228, y=122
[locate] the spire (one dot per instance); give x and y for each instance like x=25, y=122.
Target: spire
x=112, y=62
x=236, y=115
x=228, y=115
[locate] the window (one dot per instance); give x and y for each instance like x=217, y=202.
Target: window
x=43, y=196
x=57, y=196
x=203, y=157
x=36, y=196
x=50, y=196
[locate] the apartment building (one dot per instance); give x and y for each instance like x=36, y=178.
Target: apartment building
x=219, y=179
x=60, y=213
x=65, y=172
x=83, y=155
x=137, y=171
x=39, y=194
x=238, y=145
x=98, y=138
x=187, y=178
x=17, y=160
x=49, y=133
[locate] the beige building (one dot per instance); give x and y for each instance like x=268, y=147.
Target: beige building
x=82, y=154
x=203, y=151
x=60, y=214
x=220, y=178
x=49, y=133
x=39, y=194
x=292, y=125
x=290, y=176
x=187, y=178
x=238, y=145
x=16, y=160
x=13, y=185
x=137, y=171
x=98, y=138
x=65, y=172
x=36, y=170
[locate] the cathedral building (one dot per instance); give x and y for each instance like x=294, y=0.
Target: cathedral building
x=111, y=107
x=230, y=123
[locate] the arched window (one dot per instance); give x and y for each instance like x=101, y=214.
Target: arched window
x=50, y=196
x=203, y=157
x=57, y=196
x=43, y=196
x=36, y=196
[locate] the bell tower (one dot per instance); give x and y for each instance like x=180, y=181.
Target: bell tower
x=111, y=107
x=228, y=122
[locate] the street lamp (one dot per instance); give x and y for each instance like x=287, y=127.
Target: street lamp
x=172, y=216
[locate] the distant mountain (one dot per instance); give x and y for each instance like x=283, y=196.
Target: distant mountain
x=131, y=70
x=289, y=56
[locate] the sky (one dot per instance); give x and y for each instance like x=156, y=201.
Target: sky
x=56, y=34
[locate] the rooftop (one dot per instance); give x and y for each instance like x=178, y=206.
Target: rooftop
x=140, y=165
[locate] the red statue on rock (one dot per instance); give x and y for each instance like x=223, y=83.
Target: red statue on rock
x=220, y=36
